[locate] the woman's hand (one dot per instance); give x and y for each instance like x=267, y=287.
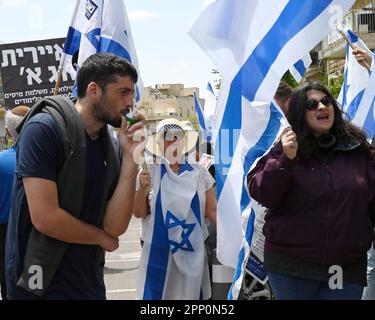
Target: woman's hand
x=144, y=180
x=289, y=142
x=141, y=205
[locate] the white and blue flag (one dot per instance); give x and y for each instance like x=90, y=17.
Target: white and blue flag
x=356, y=78
x=252, y=44
x=299, y=68
x=203, y=125
x=173, y=263
x=209, y=109
x=99, y=26
x=365, y=117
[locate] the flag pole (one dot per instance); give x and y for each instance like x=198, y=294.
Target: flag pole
x=58, y=81
x=365, y=64
x=62, y=57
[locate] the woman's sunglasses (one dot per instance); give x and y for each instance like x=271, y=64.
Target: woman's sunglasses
x=173, y=135
x=312, y=104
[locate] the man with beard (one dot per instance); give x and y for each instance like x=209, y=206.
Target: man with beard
x=72, y=196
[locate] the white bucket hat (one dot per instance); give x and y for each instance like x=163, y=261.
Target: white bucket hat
x=172, y=126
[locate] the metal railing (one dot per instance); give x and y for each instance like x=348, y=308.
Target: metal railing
x=366, y=22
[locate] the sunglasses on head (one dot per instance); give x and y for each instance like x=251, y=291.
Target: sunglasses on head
x=313, y=104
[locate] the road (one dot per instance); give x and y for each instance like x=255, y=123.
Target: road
x=120, y=274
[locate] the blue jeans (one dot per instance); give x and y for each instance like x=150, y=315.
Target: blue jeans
x=291, y=288
x=369, y=292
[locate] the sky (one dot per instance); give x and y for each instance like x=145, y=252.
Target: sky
x=166, y=53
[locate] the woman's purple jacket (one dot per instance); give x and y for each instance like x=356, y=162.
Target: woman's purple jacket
x=318, y=213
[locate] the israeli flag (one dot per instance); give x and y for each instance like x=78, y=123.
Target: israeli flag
x=252, y=44
x=365, y=117
x=355, y=79
x=299, y=68
x=209, y=109
x=99, y=26
x=203, y=126
x=173, y=262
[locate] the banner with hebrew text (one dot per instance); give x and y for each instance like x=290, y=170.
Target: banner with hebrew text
x=29, y=71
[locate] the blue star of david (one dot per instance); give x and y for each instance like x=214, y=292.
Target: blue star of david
x=172, y=221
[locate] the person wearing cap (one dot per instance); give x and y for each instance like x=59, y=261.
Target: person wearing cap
x=13, y=118
x=176, y=194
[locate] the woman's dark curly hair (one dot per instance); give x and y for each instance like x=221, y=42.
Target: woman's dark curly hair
x=343, y=130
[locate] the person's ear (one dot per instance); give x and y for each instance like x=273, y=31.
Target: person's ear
x=93, y=90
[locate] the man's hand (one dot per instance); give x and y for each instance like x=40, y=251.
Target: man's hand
x=289, y=142
x=132, y=139
x=363, y=57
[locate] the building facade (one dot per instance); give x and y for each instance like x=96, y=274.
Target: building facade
x=168, y=101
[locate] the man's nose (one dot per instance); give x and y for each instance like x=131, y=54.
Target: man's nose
x=129, y=100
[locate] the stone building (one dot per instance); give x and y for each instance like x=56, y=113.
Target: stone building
x=168, y=100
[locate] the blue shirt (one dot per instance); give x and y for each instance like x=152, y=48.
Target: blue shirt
x=40, y=154
x=7, y=167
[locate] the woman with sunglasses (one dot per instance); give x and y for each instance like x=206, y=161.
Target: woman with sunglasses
x=174, y=195
x=318, y=183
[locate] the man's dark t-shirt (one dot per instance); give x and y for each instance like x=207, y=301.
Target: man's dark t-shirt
x=40, y=155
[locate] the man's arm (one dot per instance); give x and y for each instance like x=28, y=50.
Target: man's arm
x=48, y=218
x=120, y=207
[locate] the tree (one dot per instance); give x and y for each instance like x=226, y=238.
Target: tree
x=289, y=79
x=335, y=85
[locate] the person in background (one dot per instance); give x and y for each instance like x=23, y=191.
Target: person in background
x=13, y=119
x=282, y=96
